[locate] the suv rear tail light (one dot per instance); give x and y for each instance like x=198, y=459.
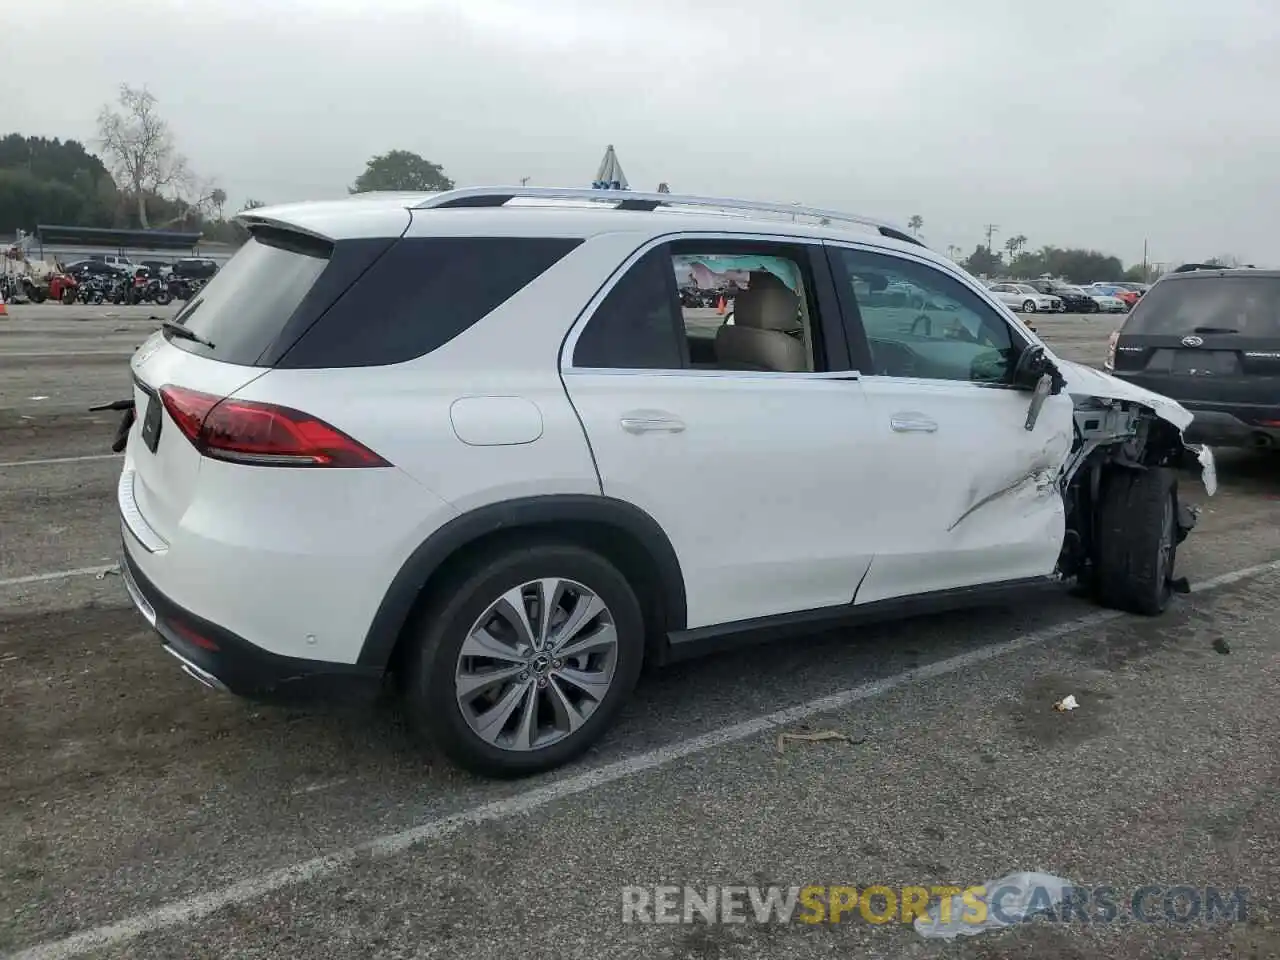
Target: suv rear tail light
x=1110, y=362
x=262, y=434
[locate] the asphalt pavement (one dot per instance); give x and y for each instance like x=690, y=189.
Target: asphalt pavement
x=144, y=817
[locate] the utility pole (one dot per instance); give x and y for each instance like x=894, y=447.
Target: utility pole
x=991, y=229
x=1145, y=273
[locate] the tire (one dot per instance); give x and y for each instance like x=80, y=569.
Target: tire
x=164, y=298
x=1028, y=306
x=1137, y=540
x=68, y=296
x=435, y=663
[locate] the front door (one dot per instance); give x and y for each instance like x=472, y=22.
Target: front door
x=967, y=494
x=747, y=442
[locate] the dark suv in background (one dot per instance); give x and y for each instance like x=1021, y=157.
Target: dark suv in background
x=1209, y=339
x=1074, y=300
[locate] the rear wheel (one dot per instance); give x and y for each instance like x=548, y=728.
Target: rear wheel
x=1028, y=306
x=1137, y=540
x=525, y=660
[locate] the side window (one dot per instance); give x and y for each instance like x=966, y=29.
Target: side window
x=708, y=305
x=919, y=322
x=635, y=327
x=414, y=298
x=746, y=307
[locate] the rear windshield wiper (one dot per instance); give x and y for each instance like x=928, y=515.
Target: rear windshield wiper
x=1214, y=330
x=185, y=333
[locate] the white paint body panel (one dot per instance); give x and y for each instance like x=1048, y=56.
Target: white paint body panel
x=763, y=493
x=776, y=491
x=927, y=481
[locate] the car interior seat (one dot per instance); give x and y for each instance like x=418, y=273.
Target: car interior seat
x=766, y=333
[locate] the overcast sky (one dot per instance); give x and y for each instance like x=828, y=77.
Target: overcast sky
x=1098, y=123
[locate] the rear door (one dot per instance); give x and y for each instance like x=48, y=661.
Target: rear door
x=1206, y=339
x=759, y=474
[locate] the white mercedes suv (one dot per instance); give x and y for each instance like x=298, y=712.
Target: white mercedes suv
x=472, y=441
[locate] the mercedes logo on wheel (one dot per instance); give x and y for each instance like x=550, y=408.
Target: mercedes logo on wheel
x=1193, y=341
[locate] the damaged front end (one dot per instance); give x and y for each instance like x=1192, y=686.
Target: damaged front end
x=1119, y=427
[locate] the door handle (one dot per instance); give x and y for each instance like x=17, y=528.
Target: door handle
x=912, y=423
x=651, y=421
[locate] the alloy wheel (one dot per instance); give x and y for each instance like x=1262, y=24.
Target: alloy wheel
x=536, y=664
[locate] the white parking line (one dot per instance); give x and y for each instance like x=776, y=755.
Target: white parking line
x=52, y=460
x=59, y=575
x=202, y=905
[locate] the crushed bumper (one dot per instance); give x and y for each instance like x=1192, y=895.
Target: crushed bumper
x=219, y=659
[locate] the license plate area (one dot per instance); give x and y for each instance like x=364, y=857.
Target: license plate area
x=1205, y=363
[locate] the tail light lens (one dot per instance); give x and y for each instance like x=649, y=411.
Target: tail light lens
x=1110, y=362
x=261, y=434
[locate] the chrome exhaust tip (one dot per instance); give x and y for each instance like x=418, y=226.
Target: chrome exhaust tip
x=197, y=673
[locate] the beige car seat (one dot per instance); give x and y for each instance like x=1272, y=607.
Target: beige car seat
x=765, y=332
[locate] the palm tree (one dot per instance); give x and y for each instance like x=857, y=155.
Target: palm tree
x=915, y=223
x=953, y=251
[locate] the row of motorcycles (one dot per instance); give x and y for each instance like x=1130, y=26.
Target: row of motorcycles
x=140, y=288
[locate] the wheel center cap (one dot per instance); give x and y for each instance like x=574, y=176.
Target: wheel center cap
x=540, y=664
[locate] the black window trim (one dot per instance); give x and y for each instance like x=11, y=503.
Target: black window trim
x=818, y=275
x=856, y=333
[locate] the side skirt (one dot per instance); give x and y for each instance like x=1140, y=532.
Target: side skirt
x=701, y=641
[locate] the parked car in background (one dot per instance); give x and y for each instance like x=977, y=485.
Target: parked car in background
x=1115, y=290
x=95, y=268
x=1074, y=299
x=1021, y=296
x=158, y=268
x=1109, y=304
x=194, y=268
x=1209, y=339
x=116, y=260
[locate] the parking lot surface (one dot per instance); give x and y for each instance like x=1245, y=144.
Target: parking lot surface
x=146, y=817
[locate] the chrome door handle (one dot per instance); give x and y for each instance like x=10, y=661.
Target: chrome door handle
x=652, y=423
x=912, y=423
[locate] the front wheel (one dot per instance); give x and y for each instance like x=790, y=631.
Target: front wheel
x=164, y=297
x=1028, y=306
x=68, y=295
x=525, y=659
x=1137, y=540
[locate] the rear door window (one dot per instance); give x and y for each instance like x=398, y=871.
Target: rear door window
x=1248, y=306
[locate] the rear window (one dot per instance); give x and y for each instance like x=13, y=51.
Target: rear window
x=294, y=301
x=246, y=306
x=1249, y=306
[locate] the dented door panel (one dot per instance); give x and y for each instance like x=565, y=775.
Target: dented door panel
x=974, y=500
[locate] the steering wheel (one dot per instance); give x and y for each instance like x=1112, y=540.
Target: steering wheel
x=928, y=325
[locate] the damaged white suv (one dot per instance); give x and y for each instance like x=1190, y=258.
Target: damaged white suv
x=474, y=442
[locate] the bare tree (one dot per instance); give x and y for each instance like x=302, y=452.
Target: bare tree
x=139, y=144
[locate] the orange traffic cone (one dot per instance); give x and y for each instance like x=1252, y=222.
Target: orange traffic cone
x=4, y=311
x=720, y=307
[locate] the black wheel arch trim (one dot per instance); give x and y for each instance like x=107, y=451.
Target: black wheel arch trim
x=525, y=512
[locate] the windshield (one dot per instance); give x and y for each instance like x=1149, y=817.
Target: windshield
x=1024, y=288
x=1249, y=306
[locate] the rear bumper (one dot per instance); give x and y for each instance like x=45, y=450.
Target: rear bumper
x=1223, y=424
x=1220, y=428
x=219, y=659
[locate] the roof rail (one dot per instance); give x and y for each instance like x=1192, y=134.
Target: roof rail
x=631, y=200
